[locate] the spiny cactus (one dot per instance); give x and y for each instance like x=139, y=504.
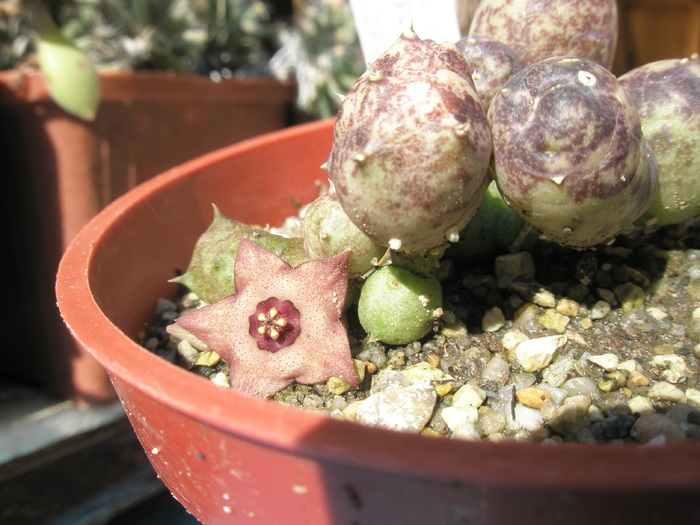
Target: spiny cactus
x=211, y=37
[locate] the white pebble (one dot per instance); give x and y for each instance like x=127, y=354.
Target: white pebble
x=665, y=391
x=423, y=370
x=581, y=385
x=600, y=309
x=468, y=396
x=558, y=394
x=525, y=418
x=388, y=379
x=461, y=421
x=513, y=338
x=692, y=396
x=535, y=354
x=405, y=409
x=559, y=371
x=640, y=405
x=497, y=371
x=670, y=367
x=607, y=362
x=493, y=320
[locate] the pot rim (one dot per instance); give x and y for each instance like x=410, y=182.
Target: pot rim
x=634, y=466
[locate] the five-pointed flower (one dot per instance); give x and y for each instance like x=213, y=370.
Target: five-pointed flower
x=283, y=324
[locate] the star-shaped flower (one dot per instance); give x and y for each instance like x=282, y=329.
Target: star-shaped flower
x=283, y=324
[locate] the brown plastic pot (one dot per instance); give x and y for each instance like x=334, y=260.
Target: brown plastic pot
x=232, y=459
x=65, y=170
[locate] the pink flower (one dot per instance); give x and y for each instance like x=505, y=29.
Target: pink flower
x=283, y=324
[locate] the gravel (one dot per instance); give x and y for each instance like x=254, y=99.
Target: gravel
x=549, y=345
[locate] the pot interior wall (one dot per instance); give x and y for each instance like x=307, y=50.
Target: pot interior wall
x=252, y=186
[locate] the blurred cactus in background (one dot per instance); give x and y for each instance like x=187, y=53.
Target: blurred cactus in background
x=321, y=50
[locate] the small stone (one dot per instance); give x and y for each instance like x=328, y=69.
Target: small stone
x=553, y=320
x=581, y=386
x=692, y=396
x=615, y=427
x=493, y=320
x=433, y=360
x=559, y=370
x=612, y=381
x=571, y=417
x=455, y=330
x=405, y=409
x=630, y=296
x=567, y=307
x=544, y=298
x=665, y=391
x=207, y=358
x=187, y=353
x=164, y=306
x=496, y=372
x=468, y=396
x=350, y=411
x=535, y=354
x=526, y=418
x=512, y=267
x=532, y=396
x=607, y=362
x=657, y=313
x=656, y=427
x=461, y=421
x=630, y=365
x=600, y=309
x=640, y=404
x=671, y=368
x=607, y=296
x=637, y=379
x=524, y=315
x=424, y=370
x=388, y=379
x=220, y=379
x=442, y=389
x=586, y=323
x=337, y=386
x=491, y=421
x=663, y=349
x=513, y=338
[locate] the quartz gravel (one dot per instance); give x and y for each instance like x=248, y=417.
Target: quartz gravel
x=549, y=345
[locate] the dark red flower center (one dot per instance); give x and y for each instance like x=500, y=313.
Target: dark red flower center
x=275, y=324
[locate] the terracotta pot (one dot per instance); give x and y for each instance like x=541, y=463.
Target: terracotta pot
x=65, y=170
x=233, y=459
x=674, y=24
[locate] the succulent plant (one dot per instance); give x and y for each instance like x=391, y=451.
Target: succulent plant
x=667, y=96
x=491, y=63
x=569, y=153
x=210, y=273
x=328, y=231
x=539, y=29
x=411, y=147
x=282, y=325
x=495, y=229
x=397, y=306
